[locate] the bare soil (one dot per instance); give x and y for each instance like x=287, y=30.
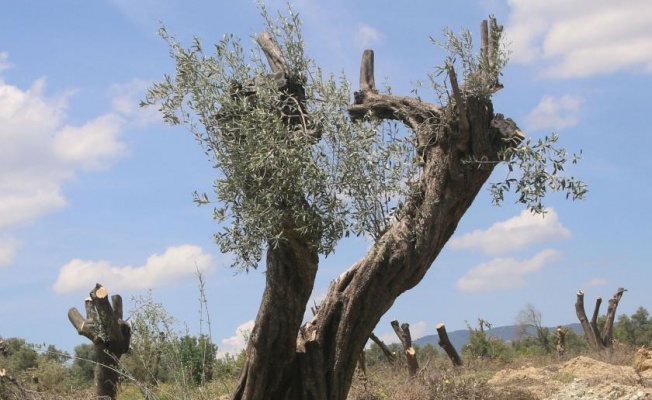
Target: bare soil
x=582, y=378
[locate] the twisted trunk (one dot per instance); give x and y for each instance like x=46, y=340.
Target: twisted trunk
x=319, y=363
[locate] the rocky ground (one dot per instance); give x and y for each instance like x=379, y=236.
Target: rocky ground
x=583, y=378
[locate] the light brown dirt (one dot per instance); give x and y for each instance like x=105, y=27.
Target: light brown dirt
x=581, y=378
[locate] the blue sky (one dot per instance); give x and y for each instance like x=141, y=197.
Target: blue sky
x=94, y=189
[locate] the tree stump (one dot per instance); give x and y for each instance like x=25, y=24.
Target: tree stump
x=109, y=333
x=445, y=343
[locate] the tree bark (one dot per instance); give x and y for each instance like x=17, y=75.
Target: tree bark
x=445, y=343
x=403, y=333
x=319, y=363
x=109, y=333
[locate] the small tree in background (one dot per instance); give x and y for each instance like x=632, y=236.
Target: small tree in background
x=634, y=330
x=482, y=345
x=83, y=364
x=197, y=356
x=529, y=322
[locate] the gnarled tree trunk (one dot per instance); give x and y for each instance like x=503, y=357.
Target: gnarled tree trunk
x=287, y=361
x=109, y=333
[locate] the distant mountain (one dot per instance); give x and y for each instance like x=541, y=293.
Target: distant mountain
x=460, y=338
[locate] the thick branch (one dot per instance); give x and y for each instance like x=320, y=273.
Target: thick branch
x=484, y=49
x=588, y=331
x=105, y=314
x=273, y=53
x=461, y=109
x=367, y=81
x=412, y=112
x=445, y=343
x=83, y=325
x=116, y=303
x=594, y=319
x=611, y=316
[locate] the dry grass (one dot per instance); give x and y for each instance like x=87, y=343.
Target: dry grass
x=437, y=380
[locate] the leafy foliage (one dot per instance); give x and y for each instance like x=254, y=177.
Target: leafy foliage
x=482, y=345
x=480, y=71
x=197, y=356
x=323, y=176
x=35, y=368
x=83, y=364
x=327, y=175
x=534, y=168
x=634, y=330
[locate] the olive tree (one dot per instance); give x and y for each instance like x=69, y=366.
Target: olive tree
x=299, y=168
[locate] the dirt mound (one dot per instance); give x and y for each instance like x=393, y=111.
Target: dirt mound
x=578, y=378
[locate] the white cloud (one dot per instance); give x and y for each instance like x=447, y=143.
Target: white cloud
x=504, y=273
x=235, y=344
x=595, y=282
x=4, y=63
x=91, y=146
x=39, y=151
x=554, y=113
x=159, y=269
x=8, y=247
x=387, y=338
x=513, y=234
x=418, y=329
x=126, y=98
x=581, y=37
x=366, y=36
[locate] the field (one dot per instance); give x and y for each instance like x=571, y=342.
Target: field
x=621, y=373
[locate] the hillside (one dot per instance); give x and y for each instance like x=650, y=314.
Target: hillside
x=461, y=337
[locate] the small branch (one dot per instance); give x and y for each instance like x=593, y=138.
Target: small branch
x=383, y=347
